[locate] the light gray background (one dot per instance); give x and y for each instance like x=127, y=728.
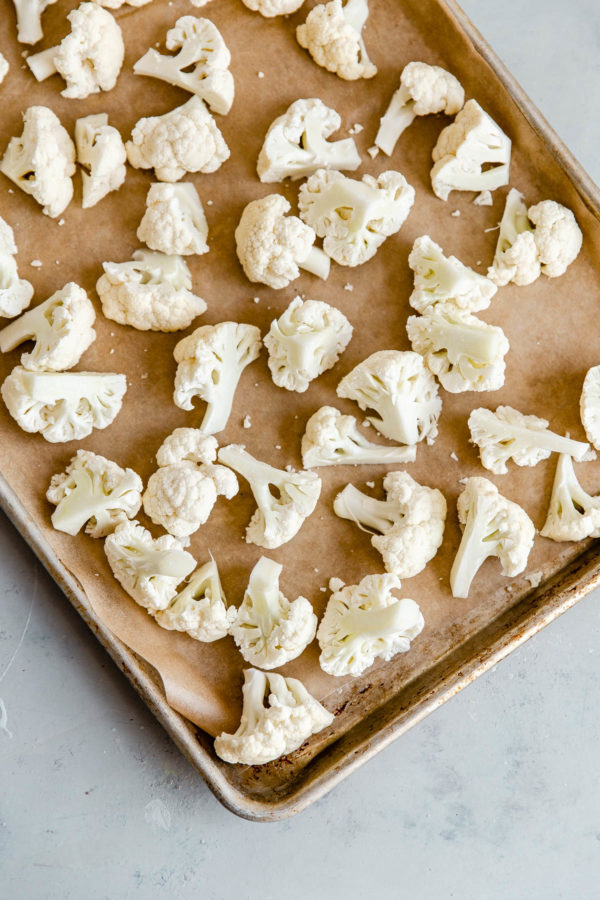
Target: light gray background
x=494, y=797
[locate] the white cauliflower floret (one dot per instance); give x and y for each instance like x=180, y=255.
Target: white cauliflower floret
x=269, y=630
x=444, y=279
x=471, y=154
x=492, y=526
x=210, y=363
x=270, y=8
x=148, y=569
x=15, y=292
x=101, y=153
x=29, y=19
x=332, y=34
x=199, y=609
x=354, y=217
x=89, y=58
x=589, y=406
x=272, y=246
x=187, y=444
x=409, y=523
x=305, y=341
x=508, y=434
x=267, y=732
x=186, y=139
x=63, y=406
x=573, y=514
x=201, y=65
x=399, y=388
x=174, y=221
x=61, y=326
x=423, y=90
x=296, y=143
x=280, y=515
x=331, y=439
x=42, y=161
x=364, y=622
x=152, y=292
x=557, y=236
x=96, y=491
x=465, y=353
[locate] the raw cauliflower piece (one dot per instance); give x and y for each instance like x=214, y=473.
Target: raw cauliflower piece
x=354, y=217
x=270, y=8
x=61, y=326
x=174, y=221
x=186, y=139
x=296, y=143
x=408, y=524
x=269, y=629
x=557, y=236
x=423, y=90
x=29, y=19
x=331, y=439
x=266, y=732
x=573, y=514
x=508, y=434
x=364, y=622
x=200, y=66
x=210, y=363
x=332, y=34
x=589, y=406
x=96, y=491
x=465, y=353
x=89, y=58
x=63, y=406
x=280, y=515
x=492, y=526
x=199, y=609
x=444, y=279
x=101, y=153
x=42, y=161
x=152, y=292
x=400, y=389
x=272, y=246
x=4, y=67
x=305, y=341
x=473, y=141
x=15, y=292
x=148, y=569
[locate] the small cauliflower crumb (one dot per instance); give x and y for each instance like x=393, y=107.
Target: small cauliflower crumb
x=535, y=578
x=209, y=203
x=247, y=422
x=348, y=287
x=199, y=3
x=324, y=590
x=484, y=199
x=366, y=423
x=454, y=456
x=278, y=446
x=261, y=74
x=370, y=484
x=462, y=480
x=356, y=128
x=61, y=222
x=373, y=152
x=111, y=351
x=256, y=299
x=478, y=263
x=456, y=213
x=36, y=263
x=144, y=376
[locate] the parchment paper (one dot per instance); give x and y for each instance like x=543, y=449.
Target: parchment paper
x=551, y=326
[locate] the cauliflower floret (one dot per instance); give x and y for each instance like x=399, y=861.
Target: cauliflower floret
x=200, y=66
x=174, y=221
x=153, y=292
x=42, y=161
x=89, y=58
x=508, y=434
x=199, y=608
x=186, y=139
x=61, y=326
x=557, y=236
x=332, y=34
x=148, y=570
x=465, y=353
x=101, y=153
x=423, y=90
x=271, y=246
x=444, y=279
x=492, y=526
x=15, y=292
x=409, y=523
x=589, y=406
x=63, y=406
x=473, y=141
x=305, y=341
x=573, y=514
x=96, y=491
x=331, y=439
x=399, y=388
x=296, y=143
x=364, y=622
x=270, y=8
x=29, y=19
x=210, y=363
x=187, y=444
x=279, y=516
x=269, y=630
x=354, y=217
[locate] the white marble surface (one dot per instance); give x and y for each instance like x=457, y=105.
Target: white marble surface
x=495, y=797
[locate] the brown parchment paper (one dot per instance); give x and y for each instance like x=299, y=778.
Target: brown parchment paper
x=551, y=325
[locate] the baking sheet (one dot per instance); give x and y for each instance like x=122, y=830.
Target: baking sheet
x=547, y=323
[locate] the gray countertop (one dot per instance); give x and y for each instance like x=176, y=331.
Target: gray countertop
x=494, y=797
